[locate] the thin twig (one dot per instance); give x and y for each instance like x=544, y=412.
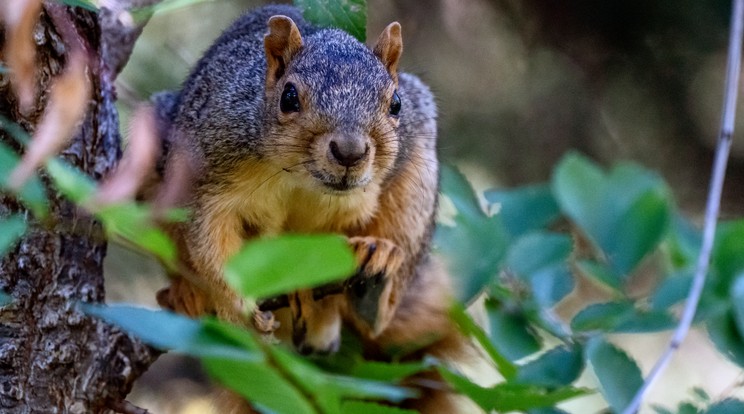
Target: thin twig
x=713, y=203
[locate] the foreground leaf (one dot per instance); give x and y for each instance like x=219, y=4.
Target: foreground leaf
x=468, y=327
x=32, y=193
x=525, y=209
x=360, y=407
x=727, y=406
x=507, y=396
x=268, y=267
x=618, y=374
x=348, y=15
x=5, y=299
x=558, y=367
x=261, y=384
x=168, y=331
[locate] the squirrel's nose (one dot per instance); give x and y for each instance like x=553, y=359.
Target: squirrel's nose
x=349, y=152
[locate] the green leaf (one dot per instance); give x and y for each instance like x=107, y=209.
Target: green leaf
x=361, y=407
x=133, y=222
x=507, y=396
x=70, y=181
x=525, y=209
x=11, y=230
x=32, y=194
x=5, y=299
x=261, y=384
x=84, y=4
x=168, y=331
x=141, y=14
x=541, y=258
x=348, y=15
x=511, y=332
x=474, y=247
x=388, y=372
x=672, y=290
x=684, y=242
x=624, y=213
x=557, y=367
x=724, y=333
x=728, y=255
x=600, y=273
x=621, y=317
x=737, y=302
x=271, y=266
x=468, y=327
x=728, y=406
x=618, y=374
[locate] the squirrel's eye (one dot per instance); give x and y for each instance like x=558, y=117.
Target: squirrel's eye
x=395, y=104
x=290, y=101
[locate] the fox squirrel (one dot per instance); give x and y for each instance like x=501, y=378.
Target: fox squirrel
x=302, y=129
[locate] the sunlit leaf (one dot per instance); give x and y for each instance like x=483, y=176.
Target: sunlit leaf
x=348, y=15
x=133, y=222
x=618, y=374
x=259, y=383
x=361, y=407
x=70, y=181
x=267, y=267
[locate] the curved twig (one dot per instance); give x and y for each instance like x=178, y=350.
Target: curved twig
x=712, y=205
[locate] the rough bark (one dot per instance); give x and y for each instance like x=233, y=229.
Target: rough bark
x=54, y=358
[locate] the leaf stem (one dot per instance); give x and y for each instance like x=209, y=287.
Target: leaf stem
x=712, y=205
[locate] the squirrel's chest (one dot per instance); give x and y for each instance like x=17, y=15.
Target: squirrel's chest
x=268, y=203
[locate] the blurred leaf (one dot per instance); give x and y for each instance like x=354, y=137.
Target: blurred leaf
x=266, y=267
x=525, y=209
x=133, y=222
x=618, y=374
x=84, y=4
x=260, y=384
x=168, y=331
x=70, y=181
x=541, y=258
x=700, y=394
x=469, y=328
x=348, y=15
x=474, y=247
x=684, y=242
x=511, y=333
x=600, y=273
x=11, y=230
x=672, y=290
x=5, y=299
x=361, y=407
x=141, y=14
x=737, y=302
x=724, y=333
x=728, y=255
x=549, y=410
x=621, y=317
x=32, y=193
x=329, y=390
x=624, y=213
x=557, y=367
x=727, y=406
x=382, y=371
x=508, y=396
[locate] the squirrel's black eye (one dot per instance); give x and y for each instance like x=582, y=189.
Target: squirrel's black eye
x=290, y=101
x=395, y=104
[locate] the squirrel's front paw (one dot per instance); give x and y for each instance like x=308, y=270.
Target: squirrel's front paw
x=373, y=292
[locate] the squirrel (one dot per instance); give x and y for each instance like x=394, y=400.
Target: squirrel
x=284, y=127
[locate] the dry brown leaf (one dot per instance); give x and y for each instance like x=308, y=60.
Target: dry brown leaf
x=20, y=17
x=138, y=162
x=68, y=101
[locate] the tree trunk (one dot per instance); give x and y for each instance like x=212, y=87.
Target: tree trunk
x=53, y=357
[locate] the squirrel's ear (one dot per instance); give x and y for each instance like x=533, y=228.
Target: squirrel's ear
x=282, y=43
x=389, y=47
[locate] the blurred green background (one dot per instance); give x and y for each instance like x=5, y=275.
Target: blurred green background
x=518, y=84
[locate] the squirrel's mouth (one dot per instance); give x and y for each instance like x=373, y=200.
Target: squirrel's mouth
x=340, y=185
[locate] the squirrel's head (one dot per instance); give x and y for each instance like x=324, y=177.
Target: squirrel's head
x=332, y=106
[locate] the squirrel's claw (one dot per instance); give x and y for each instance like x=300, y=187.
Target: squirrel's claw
x=372, y=291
